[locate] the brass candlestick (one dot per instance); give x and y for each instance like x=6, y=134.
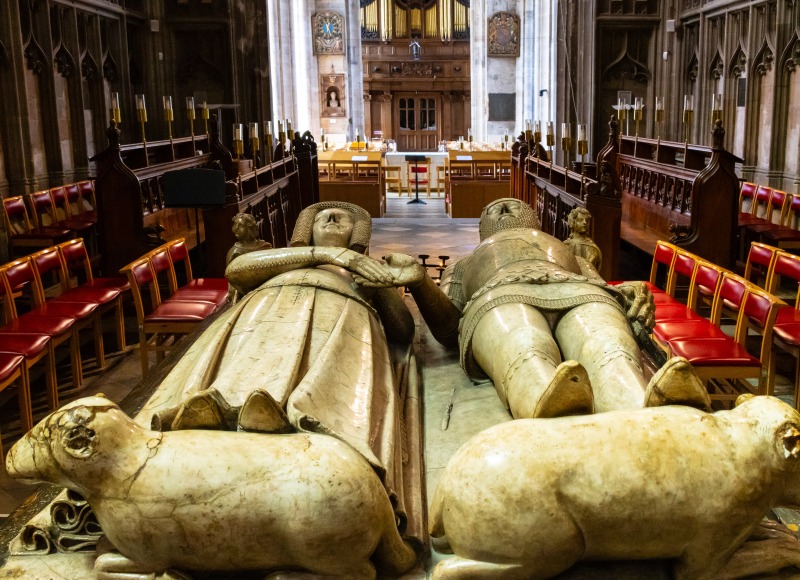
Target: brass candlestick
x=638, y=108
x=141, y=113
x=238, y=143
x=114, y=110
x=551, y=140
x=268, y=140
x=204, y=114
x=168, y=115
x=566, y=142
x=254, y=143
x=190, y=114
x=688, y=117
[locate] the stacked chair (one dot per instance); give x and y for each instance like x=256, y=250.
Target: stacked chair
x=179, y=310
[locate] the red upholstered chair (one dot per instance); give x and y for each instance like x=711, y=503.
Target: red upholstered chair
x=687, y=324
x=747, y=193
x=160, y=322
x=778, y=206
x=12, y=369
x=786, y=333
x=164, y=271
x=788, y=235
x=78, y=207
x=723, y=361
x=61, y=329
x=23, y=236
x=85, y=309
x=179, y=254
x=759, y=262
x=419, y=173
x=109, y=292
x=660, y=269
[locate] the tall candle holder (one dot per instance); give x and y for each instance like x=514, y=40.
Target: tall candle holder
x=114, y=109
x=622, y=115
x=658, y=117
x=168, y=114
x=141, y=113
x=204, y=114
x=461, y=142
x=469, y=138
x=551, y=140
x=190, y=114
x=505, y=140
x=268, y=137
x=638, y=110
x=716, y=108
x=238, y=143
x=688, y=116
x=290, y=134
x=528, y=132
x=252, y=132
x=583, y=149
x=566, y=142
x=281, y=137
x=537, y=137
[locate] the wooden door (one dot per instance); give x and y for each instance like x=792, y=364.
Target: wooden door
x=417, y=118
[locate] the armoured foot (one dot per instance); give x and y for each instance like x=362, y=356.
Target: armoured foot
x=205, y=410
x=263, y=414
x=115, y=566
x=464, y=568
x=569, y=392
x=677, y=384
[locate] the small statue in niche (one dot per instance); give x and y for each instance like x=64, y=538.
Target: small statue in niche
x=333, y=99
x=245, y=228
x=579, y=241
x=608, y=186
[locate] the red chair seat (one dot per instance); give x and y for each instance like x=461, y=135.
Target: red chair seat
x=79, y=310
x=176, y=311
x=788, y=333
x=670, y=330
x=118, y=283
x=28, y=345
x=676, y=311
x=713, y=352
x=49, y=325
x=10, y=362
x=196, y=295
x=87, y=294
x=782, y=235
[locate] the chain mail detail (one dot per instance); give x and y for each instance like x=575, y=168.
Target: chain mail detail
x=362, y=224
x=470, y=321
x=527, y=219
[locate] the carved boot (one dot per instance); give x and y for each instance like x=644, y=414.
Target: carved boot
x=677, y=384
x=569, y=392
x=263, y=414
x=205, y=410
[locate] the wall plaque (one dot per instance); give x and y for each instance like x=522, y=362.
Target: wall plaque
x=504, y=34
x=328, y=31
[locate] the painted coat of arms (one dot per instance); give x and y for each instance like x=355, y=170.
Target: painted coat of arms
x=328, y=30
x=504, y=34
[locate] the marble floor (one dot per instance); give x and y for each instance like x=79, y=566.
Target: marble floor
x=455, y=408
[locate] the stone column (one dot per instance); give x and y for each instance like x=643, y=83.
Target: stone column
x=353, y=66
x=479, y=107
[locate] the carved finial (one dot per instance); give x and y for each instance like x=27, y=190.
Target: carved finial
x=613, y=126
x=717, y=134
x=113, y=133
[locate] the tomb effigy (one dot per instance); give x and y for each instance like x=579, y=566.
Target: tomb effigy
x=315, y=370
x=552, y=335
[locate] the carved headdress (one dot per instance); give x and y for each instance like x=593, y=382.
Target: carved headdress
x=526, y=219
x=362, y=224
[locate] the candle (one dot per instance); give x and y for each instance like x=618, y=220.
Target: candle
x=114, y=106
x=551, y=138
x=566, y=137
x=190, y=103
x=688, y=108
x=140, y=106
x=716, y=107
x=237, y=131
x=528, y=124
x=268, y=131
x=252, y=129
x=638, y=105
x=204, y=110
x=659, y=109
x=620, y=109
x=582, y=142
x=168, y=110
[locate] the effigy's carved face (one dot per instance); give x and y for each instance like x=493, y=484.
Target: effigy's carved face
x=506, y=214
x=332, y=227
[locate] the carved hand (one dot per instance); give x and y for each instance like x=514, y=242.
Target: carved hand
x=641, y=305
x=403, y=269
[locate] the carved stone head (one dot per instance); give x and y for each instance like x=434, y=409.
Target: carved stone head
x=303, y=234
x=507, y=213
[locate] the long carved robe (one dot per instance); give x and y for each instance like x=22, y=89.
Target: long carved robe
x=318, y=347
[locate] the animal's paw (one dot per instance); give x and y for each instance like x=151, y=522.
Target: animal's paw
x=115, y=566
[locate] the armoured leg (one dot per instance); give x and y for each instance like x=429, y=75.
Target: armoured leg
x=515, y=348
x=599, y=337
x=677, y=384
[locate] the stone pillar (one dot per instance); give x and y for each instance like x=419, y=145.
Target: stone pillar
x=353, y=63
x=479, y=107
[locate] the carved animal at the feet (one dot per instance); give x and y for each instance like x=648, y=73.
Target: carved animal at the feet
x=217, y=501
x=531, y=498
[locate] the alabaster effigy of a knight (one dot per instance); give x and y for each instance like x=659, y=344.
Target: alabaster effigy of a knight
x=277, y=442
x=542, y=324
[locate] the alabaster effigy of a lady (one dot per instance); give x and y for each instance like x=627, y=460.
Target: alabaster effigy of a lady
x=306, y=355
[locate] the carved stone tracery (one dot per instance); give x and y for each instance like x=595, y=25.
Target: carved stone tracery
x=738, y=62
